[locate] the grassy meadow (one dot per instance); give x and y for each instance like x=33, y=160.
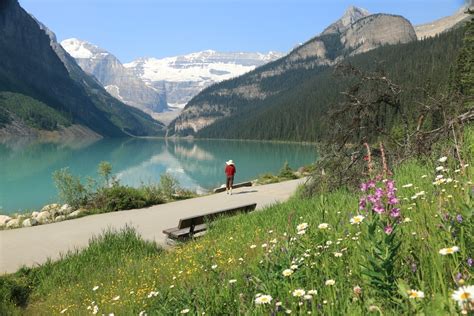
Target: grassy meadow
x=394, y=247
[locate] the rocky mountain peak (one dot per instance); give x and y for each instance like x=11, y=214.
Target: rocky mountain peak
x=351, y=15
x=82, y=49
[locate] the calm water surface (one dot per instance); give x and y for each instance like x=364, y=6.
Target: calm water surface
x=26, y=167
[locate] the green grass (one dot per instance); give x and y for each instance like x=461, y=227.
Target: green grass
x=254, y=249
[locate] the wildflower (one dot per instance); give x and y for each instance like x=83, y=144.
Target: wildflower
x=264, y=245
x=443, y=159
x=278, y=304
x=464, y=294
x=301, y=232
x=232, y=281
x=323, y=226
x=142, y=313
x=152, y=293
x=298, y=293
x=63, y=311
x=392, y=200
x=357, y=290
x=185, y=311
x=337, y=254
x=214, y=266
x=95, y=310
x=470, y=262
x=329, y=243
x=116, y=298
x=448, y=251
x=362, y=203
x=253, y=246
x=364, y=187
x=308, y=297
x=288, y=311
x=395, y=212
x=302, y=226
x=440, y=168
x=357, y=219
x=330, y=282
x=424, y=176
x=263, y=299
x=407, y=220
x=273, y=241
x=415, y=294
x=95, y=288
x=270, y=231
x=312, y=292
x=388, y=229
x=287, y=272
x=408, y=185
x=293, y=267
x=378, y=208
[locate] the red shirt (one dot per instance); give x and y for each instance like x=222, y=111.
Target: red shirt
x=230, y=170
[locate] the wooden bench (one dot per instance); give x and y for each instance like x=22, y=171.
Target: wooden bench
x=190, y=226
x=235, y=186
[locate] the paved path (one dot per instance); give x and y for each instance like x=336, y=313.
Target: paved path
x=33, y=245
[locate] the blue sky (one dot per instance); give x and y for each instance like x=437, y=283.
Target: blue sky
x=158, y=28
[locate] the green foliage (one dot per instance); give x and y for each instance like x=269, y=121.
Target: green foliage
x=34, y=113
x=168, y=186
x=5, y=117
x=70, y=188
x=286, y=172
x=118, y=197
x=105, y=170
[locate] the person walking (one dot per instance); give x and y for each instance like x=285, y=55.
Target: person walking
x=229, y=172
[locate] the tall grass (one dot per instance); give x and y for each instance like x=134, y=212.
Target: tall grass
x=305, y=245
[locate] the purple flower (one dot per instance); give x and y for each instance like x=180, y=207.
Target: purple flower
x=372, y=199
x=364, y=187
x=413, y=267
x=371, y=184
x=362, y=203
x=459, y=218
x=388, y=229
x=390, y=185
x=458, y=276
x=392, y=200
x=378, y=208
x=470, y=262
x=378, y=193
x=395, y=212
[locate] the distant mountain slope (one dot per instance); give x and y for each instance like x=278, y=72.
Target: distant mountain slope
x=34, y=65
x=300, y=112
x=185, y=76
x=119, y=81
x=442, y=25
x=356, y=32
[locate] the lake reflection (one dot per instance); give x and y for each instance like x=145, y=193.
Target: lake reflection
x=26, y=167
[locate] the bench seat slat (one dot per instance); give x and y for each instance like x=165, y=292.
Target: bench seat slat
x=180, y=233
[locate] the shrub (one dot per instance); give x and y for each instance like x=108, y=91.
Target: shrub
x=119, y=197
x=286, y=172
x=168, y=186
x=70, y=188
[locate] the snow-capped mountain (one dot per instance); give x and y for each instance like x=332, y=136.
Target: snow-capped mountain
x=119, y=81
x=185, y=76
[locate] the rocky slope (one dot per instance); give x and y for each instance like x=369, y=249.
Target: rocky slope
x=185, y=76
x=119, y=81
x=33, y=64
x=355, y=32
x=444, y=24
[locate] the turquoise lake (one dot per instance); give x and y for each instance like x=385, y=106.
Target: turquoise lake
x=26, y=167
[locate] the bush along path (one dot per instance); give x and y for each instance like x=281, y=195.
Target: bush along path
x=402, y=245
x=95, y=197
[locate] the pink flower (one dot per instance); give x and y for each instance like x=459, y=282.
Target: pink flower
x=392, y=200
x=363, y=187
x=395, y=212
x=378, y=193
x=378, y=208
x=371, y=184
x=362, y=203
x=388, y=229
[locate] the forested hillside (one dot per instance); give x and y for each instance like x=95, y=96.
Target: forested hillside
x=299, y=112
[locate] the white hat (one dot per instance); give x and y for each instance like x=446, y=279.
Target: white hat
x=230, y=162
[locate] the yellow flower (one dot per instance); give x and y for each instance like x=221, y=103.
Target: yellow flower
x=287, y=272
x=298, y=292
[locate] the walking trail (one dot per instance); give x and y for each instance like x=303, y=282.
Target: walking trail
x=32, y=246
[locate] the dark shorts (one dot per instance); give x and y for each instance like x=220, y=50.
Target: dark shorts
x=229, y=182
